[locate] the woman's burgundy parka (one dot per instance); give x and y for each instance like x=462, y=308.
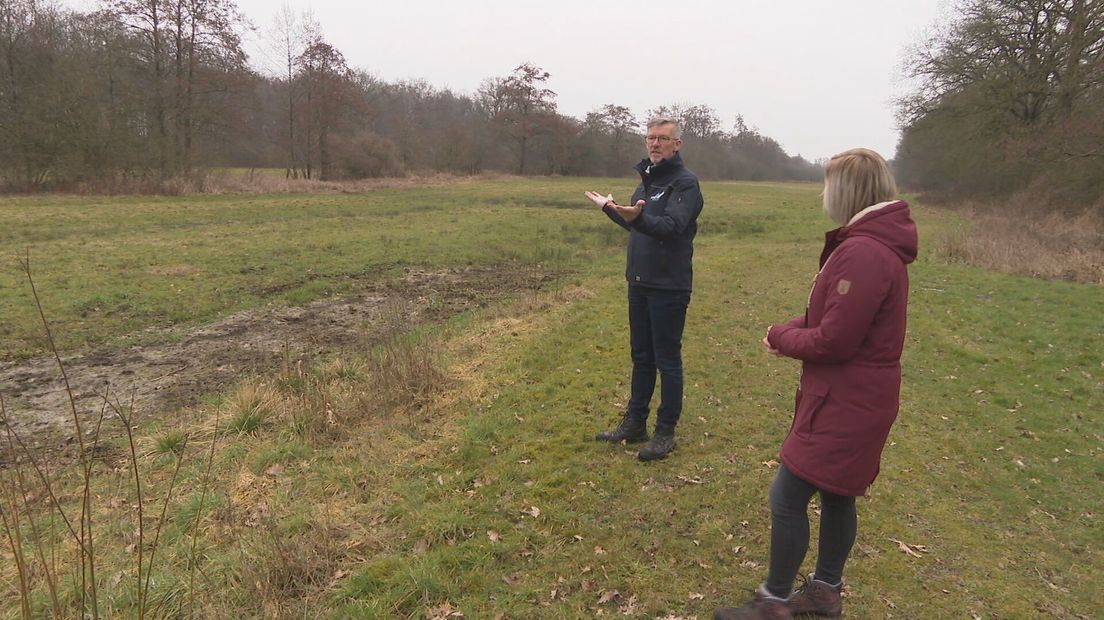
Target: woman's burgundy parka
x=850, y=343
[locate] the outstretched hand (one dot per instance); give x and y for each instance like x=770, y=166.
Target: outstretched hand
x=628, y=213
x=599, y=199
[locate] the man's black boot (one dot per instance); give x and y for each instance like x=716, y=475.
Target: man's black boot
x=662, y=443
x=630, y=430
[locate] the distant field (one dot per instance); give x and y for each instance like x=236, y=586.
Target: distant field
x=109, y=267
x=453, y=469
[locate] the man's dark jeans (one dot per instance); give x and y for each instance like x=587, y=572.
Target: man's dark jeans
x=656, y=319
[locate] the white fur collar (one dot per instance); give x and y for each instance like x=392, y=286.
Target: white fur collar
x=858, y=216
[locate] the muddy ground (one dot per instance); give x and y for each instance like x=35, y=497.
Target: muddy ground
x=161, y=379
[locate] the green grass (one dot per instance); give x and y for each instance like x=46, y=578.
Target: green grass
x=993, y=467
x=109, y=268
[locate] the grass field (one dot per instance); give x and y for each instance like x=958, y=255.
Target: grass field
x=452, y=470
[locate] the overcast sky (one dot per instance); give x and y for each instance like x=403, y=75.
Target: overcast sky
x=819, y=76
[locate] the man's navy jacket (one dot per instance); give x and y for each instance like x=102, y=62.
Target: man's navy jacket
x=661, y=238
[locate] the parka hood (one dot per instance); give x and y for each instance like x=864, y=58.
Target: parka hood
x=889, y=223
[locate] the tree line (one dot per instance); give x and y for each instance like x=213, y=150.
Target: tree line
x=158, y=89
x=1010, y=101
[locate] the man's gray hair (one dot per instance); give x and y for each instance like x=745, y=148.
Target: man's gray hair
x=666, y=120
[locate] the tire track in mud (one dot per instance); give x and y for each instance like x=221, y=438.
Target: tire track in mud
x=163, y=378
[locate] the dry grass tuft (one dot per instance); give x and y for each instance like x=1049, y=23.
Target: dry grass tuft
x=402, y=376
x=250, y=408
x=1017, y=239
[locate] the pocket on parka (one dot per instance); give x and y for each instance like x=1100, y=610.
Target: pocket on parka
x=810, y=400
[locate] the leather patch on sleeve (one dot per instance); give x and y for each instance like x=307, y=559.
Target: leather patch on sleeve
x=843, y=287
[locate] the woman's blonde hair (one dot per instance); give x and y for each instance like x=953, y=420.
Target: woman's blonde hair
x=855, y=180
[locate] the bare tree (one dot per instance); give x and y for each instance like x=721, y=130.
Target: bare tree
x=290, y=35
x=522, y=105
x=1009, y=95
x=328, y=84
x=618, y=127
x=205, y=46
x=187, y=47
x=146, y=18
x=1018, y=56
x=698, y=121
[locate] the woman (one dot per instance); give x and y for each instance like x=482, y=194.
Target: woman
x=849, y=342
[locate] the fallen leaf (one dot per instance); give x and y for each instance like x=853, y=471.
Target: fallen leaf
x=608, y=596
x=913, y=550
x=599, y=551
x=696, y=596
x=275, y=470
x=771, y=463
x=444, y=612
x=532, y=512
x=494, y=536
x=628, y=608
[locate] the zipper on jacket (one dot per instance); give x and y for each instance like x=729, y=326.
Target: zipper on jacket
x=809, y=301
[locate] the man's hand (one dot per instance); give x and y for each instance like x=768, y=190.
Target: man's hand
x=770, y=349
x=599, y=199
x=628, y=213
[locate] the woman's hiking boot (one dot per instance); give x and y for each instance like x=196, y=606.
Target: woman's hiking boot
x=817, y=597
x=762, y=607
x=662, y=443
x=630, y=430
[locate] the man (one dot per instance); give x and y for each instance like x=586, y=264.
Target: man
x=662, y=222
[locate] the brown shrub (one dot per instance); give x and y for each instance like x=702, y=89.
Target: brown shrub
x=284, y=573
x=1019, y=237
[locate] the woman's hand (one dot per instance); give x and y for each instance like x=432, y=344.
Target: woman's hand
x=770, y=349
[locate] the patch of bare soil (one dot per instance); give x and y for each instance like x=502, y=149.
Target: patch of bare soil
x=164, y=378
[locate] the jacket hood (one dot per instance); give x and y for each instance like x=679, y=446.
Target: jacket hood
x=890, y=224
x=665, y=166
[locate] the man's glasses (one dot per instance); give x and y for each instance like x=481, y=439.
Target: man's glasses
x=660, y=139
